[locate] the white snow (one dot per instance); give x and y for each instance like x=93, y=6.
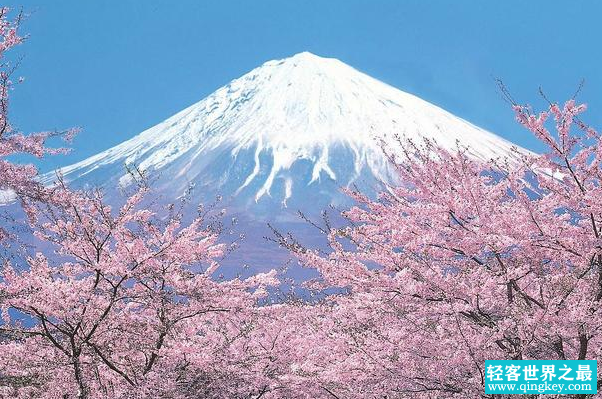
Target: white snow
x=300, y=108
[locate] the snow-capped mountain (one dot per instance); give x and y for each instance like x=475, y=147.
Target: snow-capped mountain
x=288, y=131
x=284, y=137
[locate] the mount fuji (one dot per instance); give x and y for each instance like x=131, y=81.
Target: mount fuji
x=284, y=137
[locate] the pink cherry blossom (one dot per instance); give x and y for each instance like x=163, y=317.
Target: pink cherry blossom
x=126, y=303
x=18, y=178
x=465, y=261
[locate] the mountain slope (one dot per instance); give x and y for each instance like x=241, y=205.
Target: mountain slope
x=291, y=129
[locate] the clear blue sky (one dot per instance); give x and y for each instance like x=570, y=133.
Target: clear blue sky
x=115, y=68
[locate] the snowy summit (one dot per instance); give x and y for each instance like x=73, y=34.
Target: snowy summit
x=290, y=129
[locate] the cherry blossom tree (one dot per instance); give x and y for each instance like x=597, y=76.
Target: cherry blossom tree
x=467, y=260
x=126, y=306
x=17, y=178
